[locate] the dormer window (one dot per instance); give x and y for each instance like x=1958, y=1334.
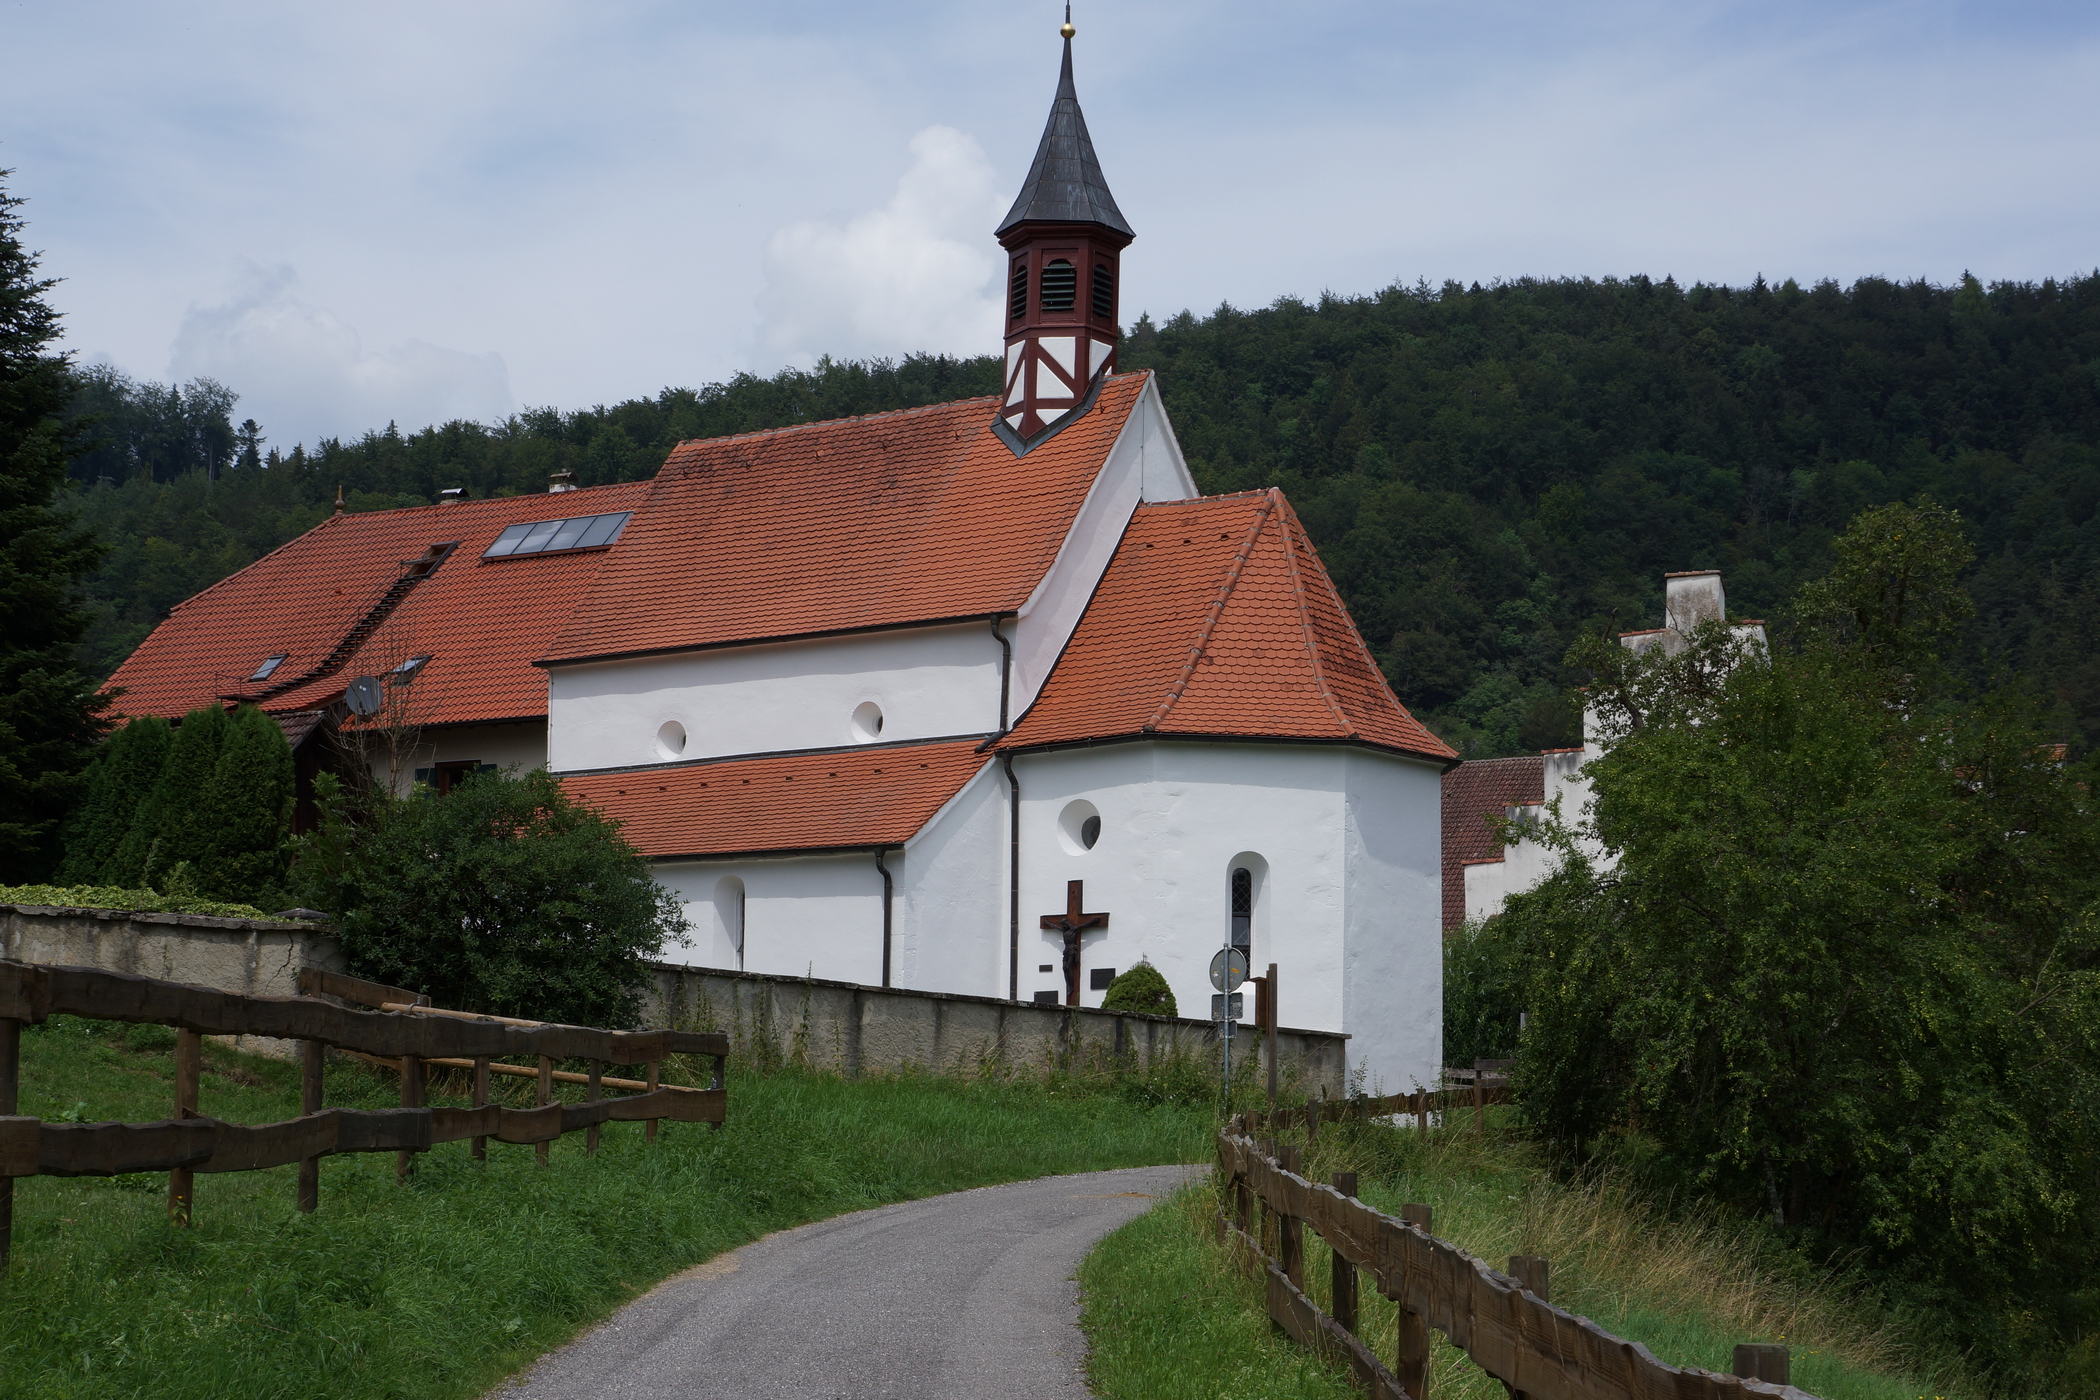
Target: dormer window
x=1060, y=285
x=1104, y=291
x=432, y=557
x=1017, y=291
x=268, y=668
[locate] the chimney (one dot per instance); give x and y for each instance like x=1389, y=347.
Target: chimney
x=1692, y=598
x=561, y=481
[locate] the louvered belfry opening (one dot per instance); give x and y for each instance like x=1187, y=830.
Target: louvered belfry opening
x=1063, y=229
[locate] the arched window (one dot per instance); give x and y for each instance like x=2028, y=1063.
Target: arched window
x=1104, y=291
x=1242, y=927
x=729, y=914
x=1060, y=285
x=1017, y=291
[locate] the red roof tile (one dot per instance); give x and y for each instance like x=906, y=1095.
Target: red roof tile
x=1215, y=617
x=862, y=522
x=481, y=622
x=1472, y=793
x=787, y=802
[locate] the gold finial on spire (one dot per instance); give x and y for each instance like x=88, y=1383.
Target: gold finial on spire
x=1066, y=28
x=338, y=500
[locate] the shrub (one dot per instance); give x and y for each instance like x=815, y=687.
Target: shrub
x=246, y=812
x=120, y=778
x=501, y=896
x=1141, y=989
x=165, y=830
x=132, y=901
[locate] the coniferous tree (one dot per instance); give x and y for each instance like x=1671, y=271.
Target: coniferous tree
x=122, y=776
x=246, y=813
x=50, y=714
x=166, y=831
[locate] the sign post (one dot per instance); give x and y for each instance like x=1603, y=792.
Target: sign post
x=1228, y=972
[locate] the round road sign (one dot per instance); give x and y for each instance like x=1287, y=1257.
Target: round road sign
x=1228, y=969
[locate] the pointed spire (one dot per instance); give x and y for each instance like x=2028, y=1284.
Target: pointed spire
x=1065, y=184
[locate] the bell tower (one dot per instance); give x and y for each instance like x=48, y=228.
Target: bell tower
x=1064, y=241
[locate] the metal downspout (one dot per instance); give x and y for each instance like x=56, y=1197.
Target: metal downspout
x=1013, y=883
x=888, y=889
x=1006, y=669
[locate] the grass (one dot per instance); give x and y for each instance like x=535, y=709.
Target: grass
x=444, y=1285
x=1167, y=1316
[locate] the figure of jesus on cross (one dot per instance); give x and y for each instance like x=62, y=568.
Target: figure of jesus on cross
x=1072, y=924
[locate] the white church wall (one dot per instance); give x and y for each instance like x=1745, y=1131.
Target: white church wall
x=949, y=931
x=393, y=760
x=802, y=915
x=1144, y=465
x=1173, y=818
x=927, y=682
x=1393, y=939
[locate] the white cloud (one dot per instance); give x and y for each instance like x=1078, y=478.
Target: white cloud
x=915, y=274
x=305, y=374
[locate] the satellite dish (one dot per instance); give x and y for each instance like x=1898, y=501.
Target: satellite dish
x=1228, y=969
x=364, y=696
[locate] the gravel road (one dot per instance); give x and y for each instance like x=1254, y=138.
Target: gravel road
x=957, y=1297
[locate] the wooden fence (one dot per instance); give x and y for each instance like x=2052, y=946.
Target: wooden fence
x=1503, y=1321
x=406, y=1038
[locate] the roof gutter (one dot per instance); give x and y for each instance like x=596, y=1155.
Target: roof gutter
x=1351, y=741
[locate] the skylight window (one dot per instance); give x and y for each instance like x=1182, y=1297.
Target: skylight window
x=269, y=666
x=549, y=536
x=407, y=670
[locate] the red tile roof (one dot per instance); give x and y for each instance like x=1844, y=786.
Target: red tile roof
x=786, y=802
x=481, y=622
x=1216, y=618
x=1473, y=792
x=863, y=522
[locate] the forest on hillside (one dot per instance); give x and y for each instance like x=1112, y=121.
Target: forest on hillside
x=1488, y=471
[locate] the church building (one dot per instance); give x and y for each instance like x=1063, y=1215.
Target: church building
x=979, y=698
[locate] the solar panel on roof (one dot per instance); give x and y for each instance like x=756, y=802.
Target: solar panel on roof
x=550, y=536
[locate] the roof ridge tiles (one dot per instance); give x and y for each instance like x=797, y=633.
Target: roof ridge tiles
x=1305, y=624
x=1226, y=585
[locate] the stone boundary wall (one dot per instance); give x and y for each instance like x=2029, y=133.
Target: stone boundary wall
x=256, y=957
x=854, y=1030
x=839, y=1026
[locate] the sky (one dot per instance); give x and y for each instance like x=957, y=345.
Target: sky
x=360, y=214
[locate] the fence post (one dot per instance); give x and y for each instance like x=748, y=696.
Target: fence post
x=411, y=1097
x=189, y=1064
x=539, y=1149
x=590, y=1134
x=1764, y=1361
x=1532, y=1272
x=721, y=1081
x=649, y=1134
x=479, y=1149
x=1290, y=1231
x=10, y=1089
x=1312, y=1121
x=310, y=1066
x=1413, y=1367
x=1343, y=1291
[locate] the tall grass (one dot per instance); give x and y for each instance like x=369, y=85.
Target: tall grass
x=442, y=1286
x=1164, y=1307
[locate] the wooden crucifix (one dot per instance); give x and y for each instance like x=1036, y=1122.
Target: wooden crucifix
x=1072, y=924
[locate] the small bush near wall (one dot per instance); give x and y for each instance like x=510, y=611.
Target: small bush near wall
x=1141, y=989
x=131, y=901
x=502, y=895
x=1484, y=973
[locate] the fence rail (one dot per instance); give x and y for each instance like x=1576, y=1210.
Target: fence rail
x=405, y=1038
x=1538, y=1351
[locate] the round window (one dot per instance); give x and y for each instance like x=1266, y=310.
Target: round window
x=867, y=722
x=670, y=739
x=1079, y=826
